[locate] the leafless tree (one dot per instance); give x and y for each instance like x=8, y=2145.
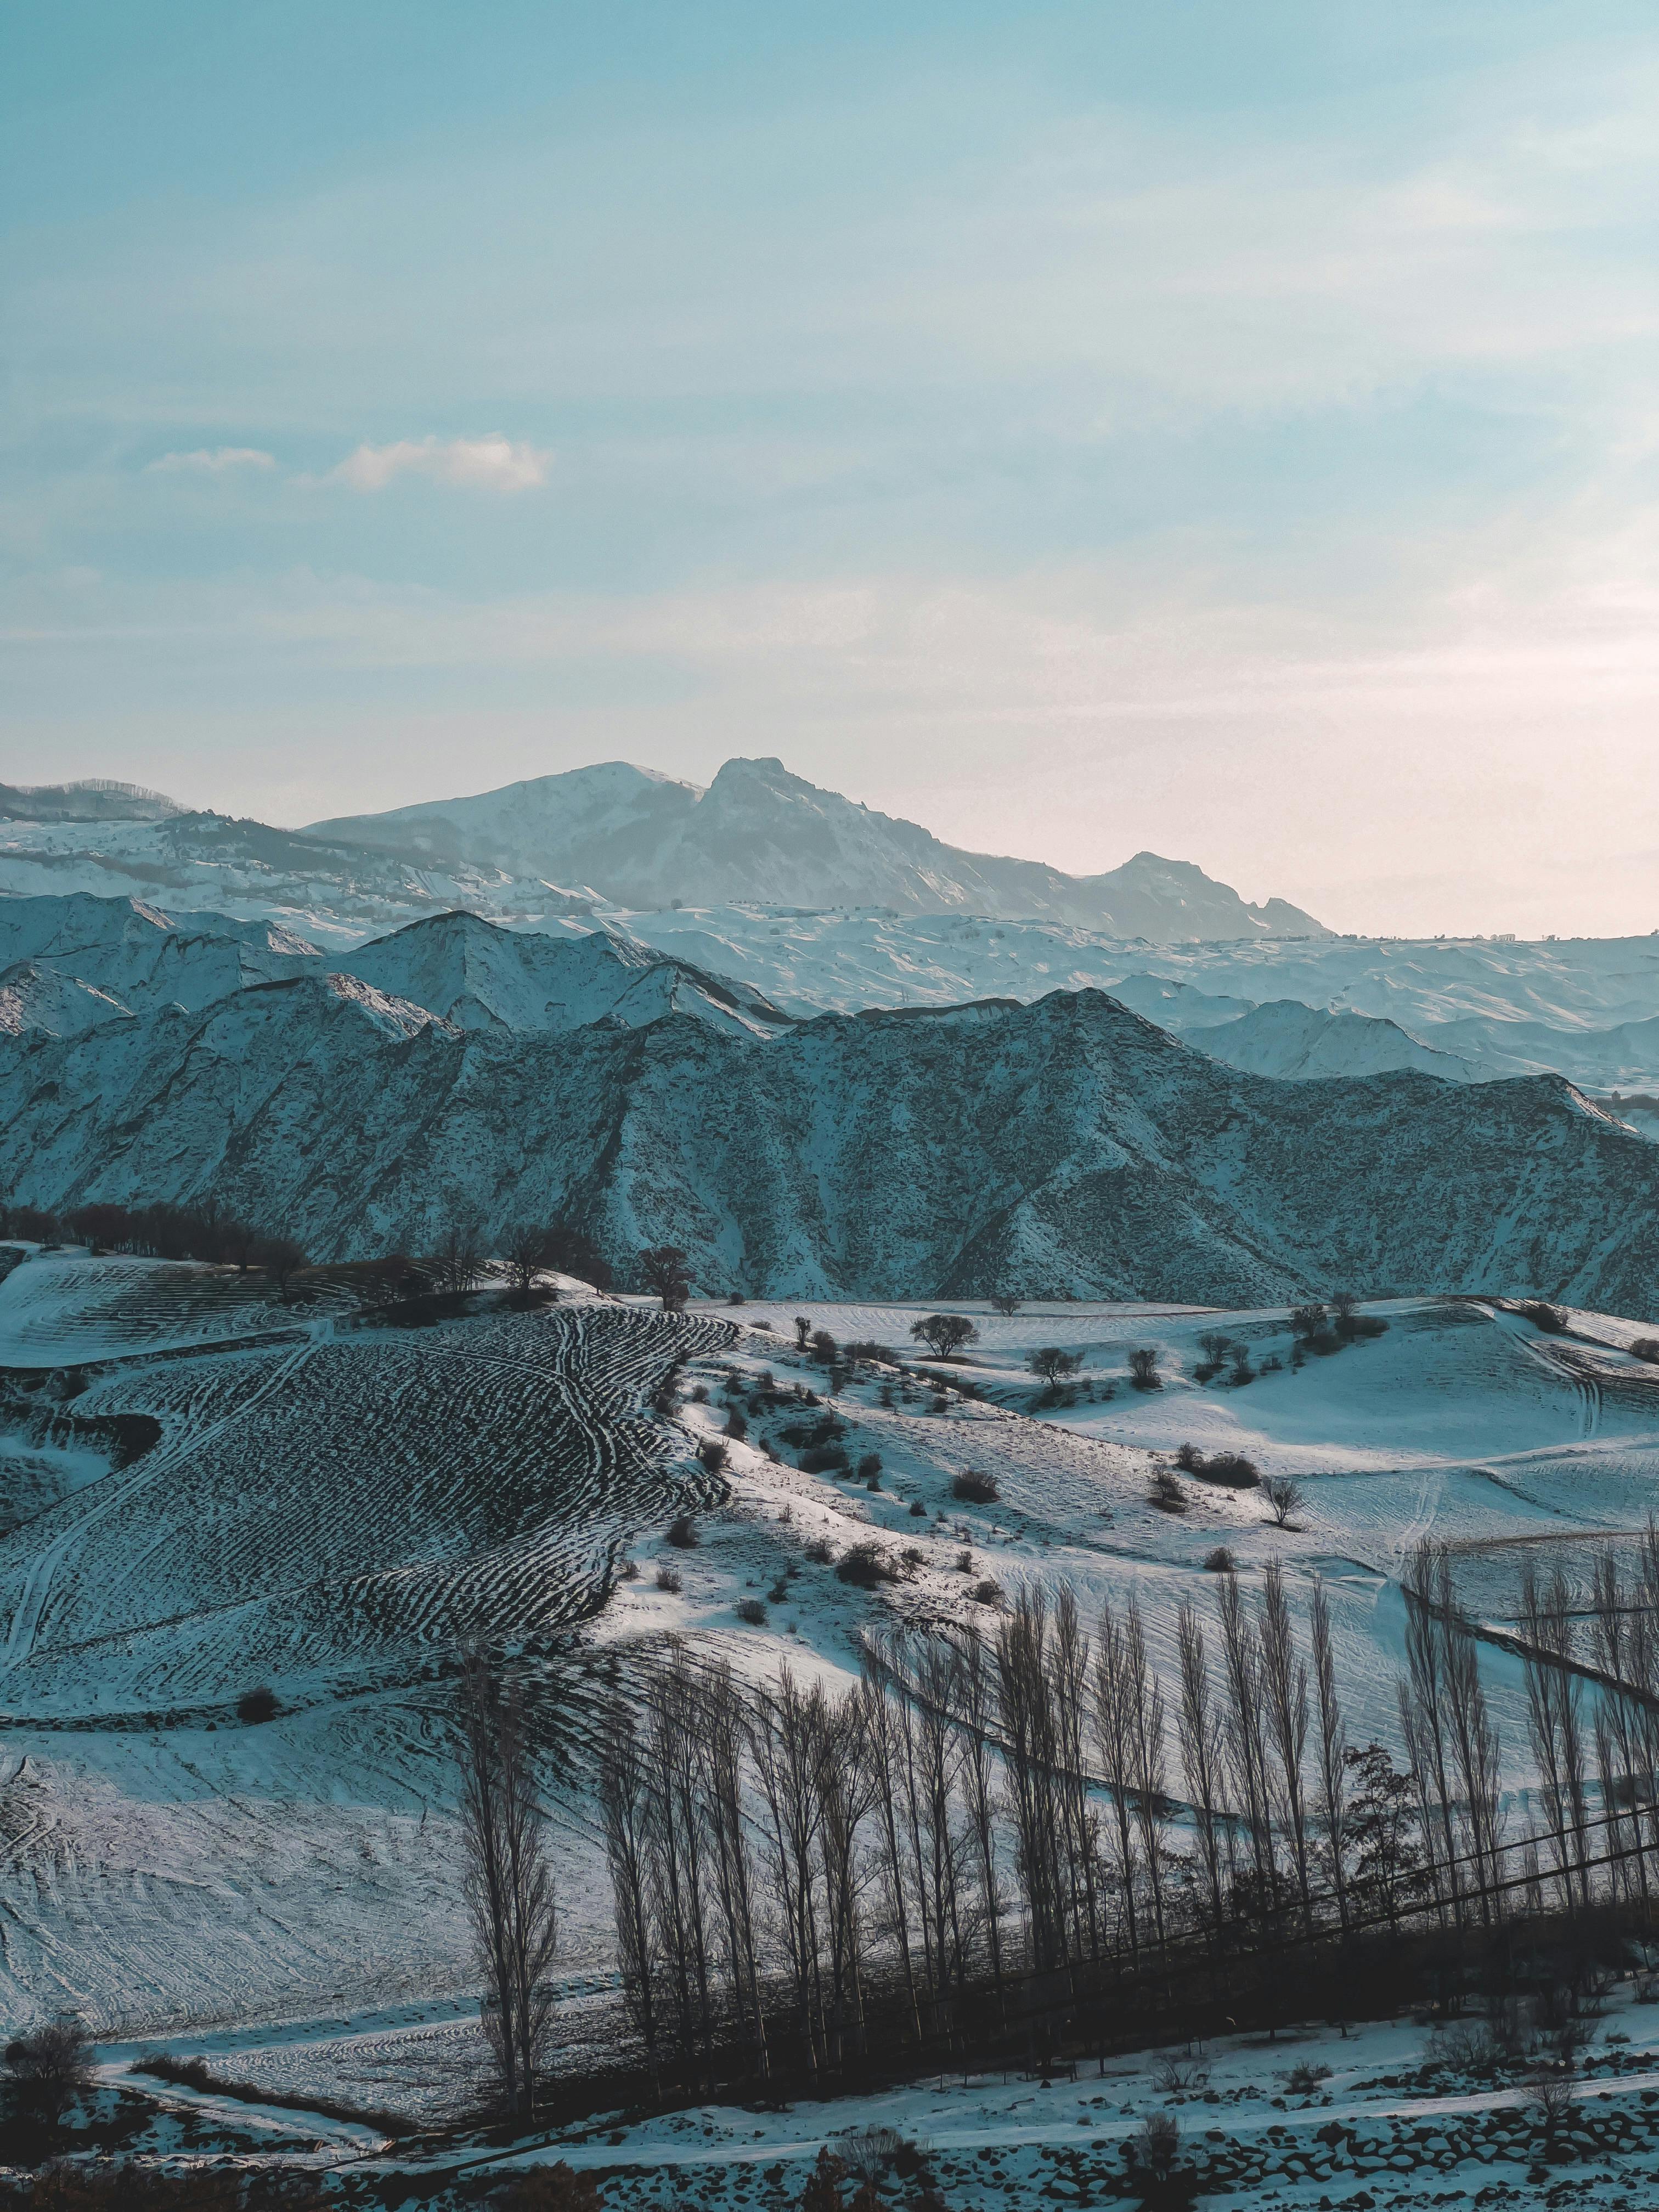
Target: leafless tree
x=458, y=1263
x=1283, y=1495
x=509, y=1881
x=49, y=2069
x=1200, y=1752
x=1030, y=1754
x=1285, y=1683
x=1246, y=1744
x=524, y=1252
x=624, y=1795
x=1115, y=1733
x=976, y=1692
x=662, y=1270
x=1051, y=1364
x=1555, y=1720
x=1071, y=1697
x=945, y=1335
x=1331, y=1797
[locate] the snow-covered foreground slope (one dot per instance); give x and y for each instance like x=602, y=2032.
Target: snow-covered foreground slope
x=1066, y=1146
x=330, y=1515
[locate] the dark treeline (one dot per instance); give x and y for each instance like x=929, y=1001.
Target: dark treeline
x=209, y=1231
x=1030, y=1839
x=464, y=1256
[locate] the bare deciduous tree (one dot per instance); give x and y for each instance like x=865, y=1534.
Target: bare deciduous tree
x=945, y=1335
x=509, y=1881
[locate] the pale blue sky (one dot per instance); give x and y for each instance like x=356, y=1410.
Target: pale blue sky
x=1230, y=429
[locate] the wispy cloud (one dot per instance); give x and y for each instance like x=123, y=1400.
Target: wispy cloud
x=212, y=461
x=488, y=463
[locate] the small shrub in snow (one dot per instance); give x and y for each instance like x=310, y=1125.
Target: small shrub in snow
x=974, y=1488
x=700, y=1394
x=751, y=1612
x=1155, y=2144
x=918, y=1511
x=864, y=1567
x=1143, y=1369
x=256, y=1705
x=989, y=1592
x=628, y=1572
x=1220, y=1561
x=713, y=1454
x=819, y=1552
x=1174, y=2076
x=682, y=1532
x=871, y=2152
x=1470, y=2048
x=779, y=1593
x=1166, y=1493
x=864, y=1350
x=669, y=1579
x=735, y=1427
x=869, y=1467
x=824, y=1347
x=1646, y=1348
x=824, y=1459
x=1303, y=2081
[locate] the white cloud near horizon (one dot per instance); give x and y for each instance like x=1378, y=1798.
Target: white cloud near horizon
x=212, y=461
x=488, y=464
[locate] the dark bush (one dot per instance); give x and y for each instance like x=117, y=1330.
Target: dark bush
x=256, y=1705
x=735, y=1427
x=1230, y=1469
x=820, y=1551
x=1166, y=1493
x=824, y=1349
x=751, y=1612
x=867, y=1353
x=715, y=1454
x=682, y=1532
x=1220, y=1561
x=918, y=1511
x=49, y=2069
x=669, y=1579
x=870, y=1465
x=825, y=1459
x=1542, y=1314
x=1143, y=1370
x=864, y=1566
x=826, y=1430
x=1646, y=1348
x=976, y=1489
x=986, y=1593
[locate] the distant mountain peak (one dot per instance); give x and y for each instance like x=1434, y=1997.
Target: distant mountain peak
x=760, y=832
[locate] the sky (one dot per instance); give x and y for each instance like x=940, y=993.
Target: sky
x=1227, y=431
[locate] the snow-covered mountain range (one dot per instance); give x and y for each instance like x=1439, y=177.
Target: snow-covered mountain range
x=610, y=835
x=759, y=833
x=1066, y=1147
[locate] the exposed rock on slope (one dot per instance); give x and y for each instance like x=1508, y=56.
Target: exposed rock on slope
x=760, y=832
x=1066, y=1146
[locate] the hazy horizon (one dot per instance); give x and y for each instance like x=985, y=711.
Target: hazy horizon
x=1227, y=434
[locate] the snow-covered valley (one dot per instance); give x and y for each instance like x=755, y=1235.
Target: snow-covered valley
x=333, y=1499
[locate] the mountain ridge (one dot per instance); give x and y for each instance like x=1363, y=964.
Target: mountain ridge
x=1066, y=1147
x=759, y=832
